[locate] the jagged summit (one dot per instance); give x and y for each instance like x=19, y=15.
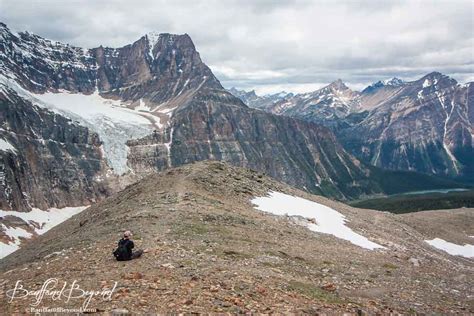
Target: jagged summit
x=436, y=78
x=390, y=83
x=160, y=41
x=434, y=74
x=168, y=38
x=212, y=250
x=394, y=82
x=338, y=85
x=165, y=63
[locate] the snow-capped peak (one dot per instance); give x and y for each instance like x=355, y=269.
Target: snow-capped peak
x=393, y=82
x=152, y=38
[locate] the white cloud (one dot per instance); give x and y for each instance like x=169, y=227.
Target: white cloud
x=276, y=43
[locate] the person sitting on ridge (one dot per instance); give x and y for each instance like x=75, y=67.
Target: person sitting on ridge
x=124, y=250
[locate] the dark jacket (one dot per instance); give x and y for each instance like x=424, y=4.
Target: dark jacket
x=129, y=245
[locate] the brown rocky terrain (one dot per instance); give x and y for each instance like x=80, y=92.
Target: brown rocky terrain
x=210, y=250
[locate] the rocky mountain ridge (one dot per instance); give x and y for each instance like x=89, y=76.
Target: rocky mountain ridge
x=211, y=248
x=425, y=125
x=393, y=82
x=264, y=102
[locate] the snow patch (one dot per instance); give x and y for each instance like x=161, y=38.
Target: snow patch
x=394, y=81
x=441, y=100
x=153, y=38
x=15, y=233
x=6, y=146
x=168, y=147
x=45, y=220
x=168, y=112
x=466, y=250
x=328, y=220
x=40, y=222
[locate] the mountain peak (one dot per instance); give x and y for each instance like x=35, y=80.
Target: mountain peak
x=434, y=74
x=338, y=85
x=393, y=82
x=434, y=78
x=169, y=40
x=3, y=26
x=4, y=31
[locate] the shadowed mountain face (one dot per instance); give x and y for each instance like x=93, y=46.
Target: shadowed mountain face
x=141, y=108
x=424, y=126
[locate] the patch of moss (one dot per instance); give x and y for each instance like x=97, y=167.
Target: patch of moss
x=235, y=254
x=314, y=292
x=390, y=266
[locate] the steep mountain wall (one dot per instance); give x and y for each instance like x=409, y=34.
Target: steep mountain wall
x=52, y=162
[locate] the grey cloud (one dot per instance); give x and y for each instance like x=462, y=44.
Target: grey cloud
x=270, y=44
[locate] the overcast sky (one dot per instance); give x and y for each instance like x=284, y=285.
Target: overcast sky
x=272, y=45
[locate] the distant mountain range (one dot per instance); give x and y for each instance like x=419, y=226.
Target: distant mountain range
x=426, y=125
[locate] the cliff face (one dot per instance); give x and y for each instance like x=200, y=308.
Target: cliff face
x=157, y=68
x=51, y=162
x=215, y=126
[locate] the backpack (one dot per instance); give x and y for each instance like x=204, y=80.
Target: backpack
x=121, y=253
